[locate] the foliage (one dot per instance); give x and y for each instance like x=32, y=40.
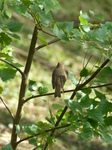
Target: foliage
x=89, y=110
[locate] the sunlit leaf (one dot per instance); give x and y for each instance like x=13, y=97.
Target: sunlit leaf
x=1, y=89
x=72, y=77
x=32, y=85
x=42, y=90
x=42, y=40
x=60, y=33
x=30, y=129
x=18, y=130
x=57, y=106
x=74, y=106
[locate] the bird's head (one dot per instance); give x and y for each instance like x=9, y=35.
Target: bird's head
x=60, y=64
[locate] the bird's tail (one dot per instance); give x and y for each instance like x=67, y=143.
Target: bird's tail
x=58, y=91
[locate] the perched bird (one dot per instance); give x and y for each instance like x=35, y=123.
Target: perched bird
x=58, y=79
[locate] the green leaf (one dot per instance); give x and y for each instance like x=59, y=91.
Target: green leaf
x=84, y=18
x=86, y=101
x=7, y=74
x=72, y=77
x=106, y=135
x=86, y=90
x=104, y=106
x=57, y=106
x=8, y=13
x=101, y=34
x=44, y=18
x=108, y=121
x=33, y=141
x=1, y=89
x=99, y=95
x=74, y=106
x=21, y=9
x=51, y=4
x=32, y=86
x=96, y=115
x=42, y=90
x=7, y=147
x=65, y=26
x=14, y=36
x=42, y=40
x=100, y=17
x=101, y=79
x=106, y=71
x=93, y=122
x=30, y=129
x=52, y=118
x=14, y=26
x=60, y=33
x=18, y=130
x=5, y=39
x=59, y=113
x=86, y=131
x=84, y=72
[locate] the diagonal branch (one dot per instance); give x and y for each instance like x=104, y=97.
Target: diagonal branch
x=12, y=116
x=79, y=87
x=9, y=63
x=50, y=42
x=94, y=74
x=48, y=33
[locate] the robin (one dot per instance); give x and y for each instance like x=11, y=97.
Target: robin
x=58, y=79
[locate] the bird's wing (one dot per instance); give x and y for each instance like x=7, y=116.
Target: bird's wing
x=53, y=80
x=63, y=79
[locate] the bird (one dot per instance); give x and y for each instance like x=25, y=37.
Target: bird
x=58, y=79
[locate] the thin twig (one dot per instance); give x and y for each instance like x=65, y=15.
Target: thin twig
x=9, y=63
x=88, y=61
x=61, y=133
x=94, y=74
x=50, y=42
x=12, y=116
x=67, y=91
x=48, y=130
x=48, y=33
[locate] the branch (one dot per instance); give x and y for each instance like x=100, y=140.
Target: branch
x=9, y=63
x=23, y=87
x=79, y=87
x=67, y=91
x=50, y=42
x=12, y=116
x=48, y=33
x=48, y=130
x=94, y=74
